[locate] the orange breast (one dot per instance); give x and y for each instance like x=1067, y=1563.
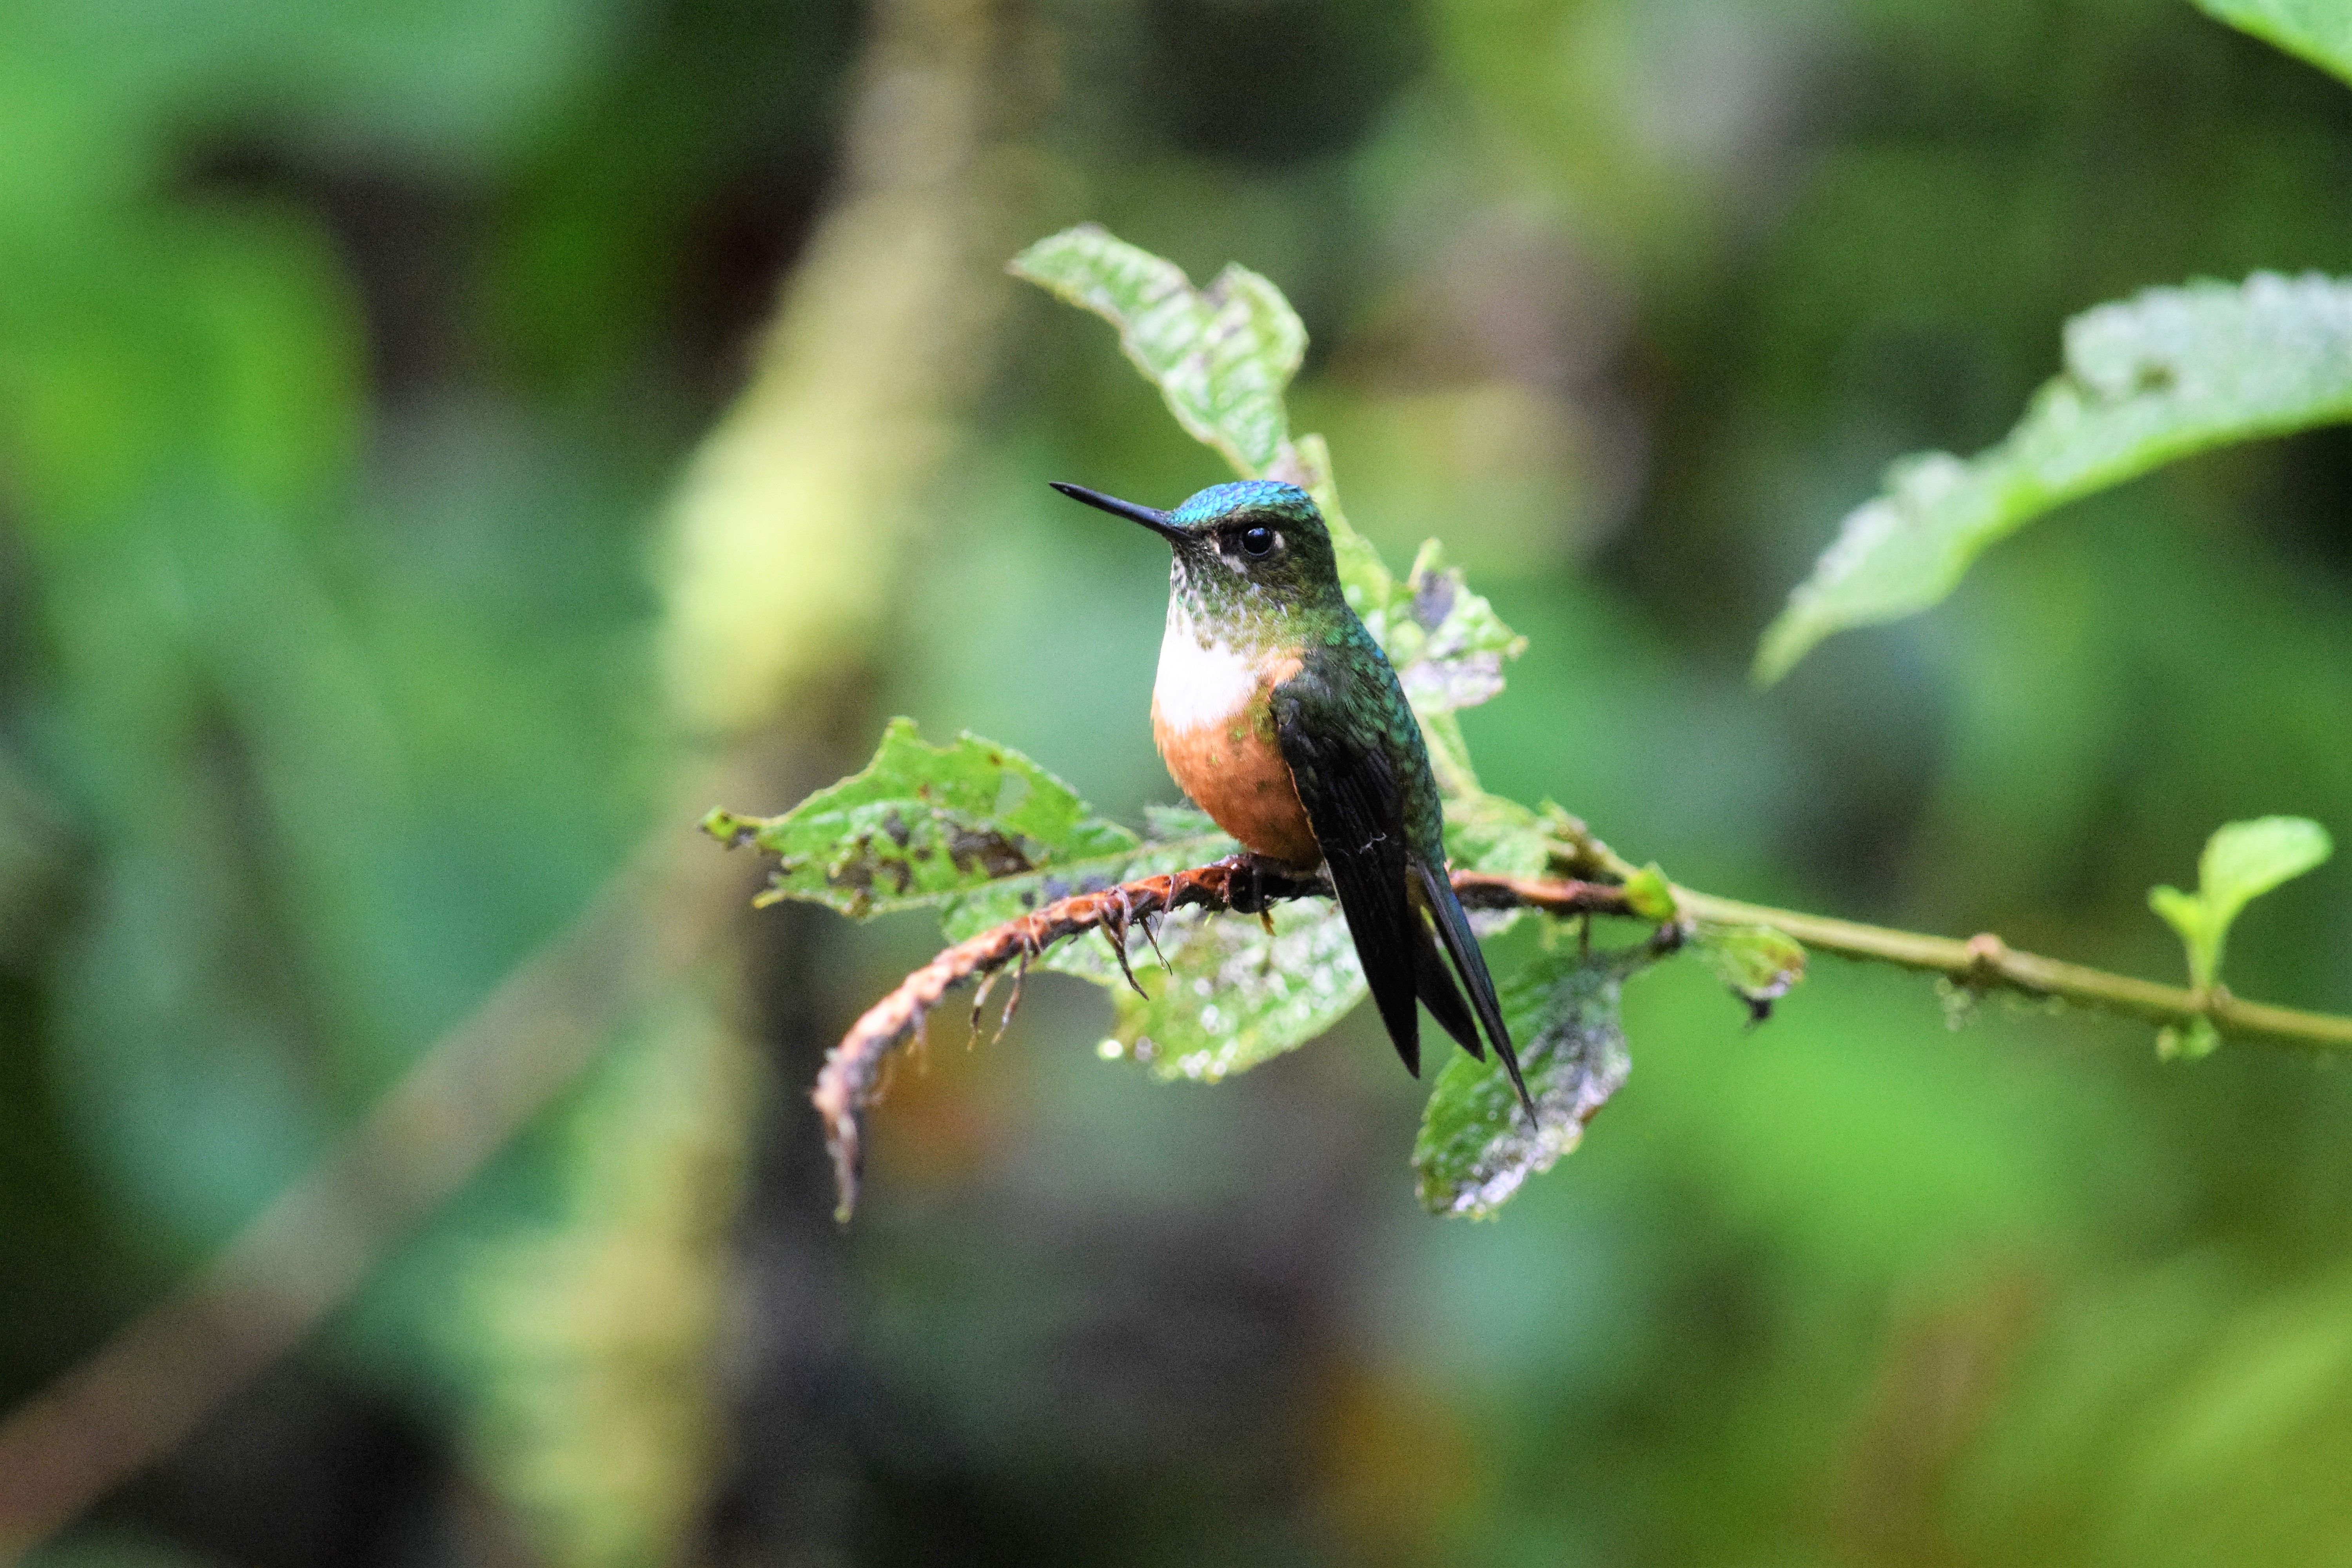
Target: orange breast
x=1233, y=770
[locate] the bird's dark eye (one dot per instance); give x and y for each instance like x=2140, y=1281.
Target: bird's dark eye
x=1257, y=542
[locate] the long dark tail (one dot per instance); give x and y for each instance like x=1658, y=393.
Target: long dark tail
x=1437, y=988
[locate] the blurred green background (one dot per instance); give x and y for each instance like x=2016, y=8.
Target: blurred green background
x=372, y=585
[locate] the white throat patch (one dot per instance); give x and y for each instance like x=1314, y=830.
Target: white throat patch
x=1198, y=685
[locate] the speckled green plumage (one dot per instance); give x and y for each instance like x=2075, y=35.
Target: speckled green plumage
x=1345, y=681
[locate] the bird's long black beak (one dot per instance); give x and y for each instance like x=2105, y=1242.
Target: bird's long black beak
x=1155, y=520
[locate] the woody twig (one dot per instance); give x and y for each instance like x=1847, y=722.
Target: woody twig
x=850, y=1079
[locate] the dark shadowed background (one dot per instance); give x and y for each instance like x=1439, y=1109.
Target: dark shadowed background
x=435, y=438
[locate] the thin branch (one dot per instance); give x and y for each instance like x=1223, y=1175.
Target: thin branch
x=851, y=1068
x=1487, y=890
x=852, y=1075
x=1986, y=963
x=849, y=1082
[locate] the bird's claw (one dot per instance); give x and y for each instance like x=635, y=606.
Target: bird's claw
x=1117, y=917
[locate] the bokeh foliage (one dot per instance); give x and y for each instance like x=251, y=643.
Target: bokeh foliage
x=2173, y=371
x=345, y=357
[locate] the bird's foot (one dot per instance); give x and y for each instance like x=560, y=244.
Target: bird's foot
x=1245, y=884
x=1254, y=882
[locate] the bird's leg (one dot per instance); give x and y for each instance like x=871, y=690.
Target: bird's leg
x=1152, y=937
x=1245, y=887
x=1115, y=919
x=1242, y=884
x=980, y=1001
x=1249, y=898
x=1012, y=1003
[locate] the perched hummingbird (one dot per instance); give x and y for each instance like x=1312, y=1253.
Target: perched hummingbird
x=1280, y=716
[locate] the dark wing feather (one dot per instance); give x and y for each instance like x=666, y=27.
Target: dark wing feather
x=1350, y=795
x=1443, y=998
x=1462, y=945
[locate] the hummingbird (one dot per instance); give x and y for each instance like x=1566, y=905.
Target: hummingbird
x=1279, y=715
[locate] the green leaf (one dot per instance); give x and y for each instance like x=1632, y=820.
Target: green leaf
x=1238, y=997
x=2319, y=31
x=1447, y=647
x=2185, y=913
x=1650, y=895
x=1475, y=1146
x=1364, y=577
x=1220, y=355
x=1760, y=964
x=924, y=822
x=2159, y=376
x=2242, y=861
x=1493, y=833
x=1446, y=642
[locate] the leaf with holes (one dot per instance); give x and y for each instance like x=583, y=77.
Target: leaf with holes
x=1239, y=998
x=922, y=824
x=1220, y=355
x=1446, y=642
x=1476, y=1147
x=2154, y=378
